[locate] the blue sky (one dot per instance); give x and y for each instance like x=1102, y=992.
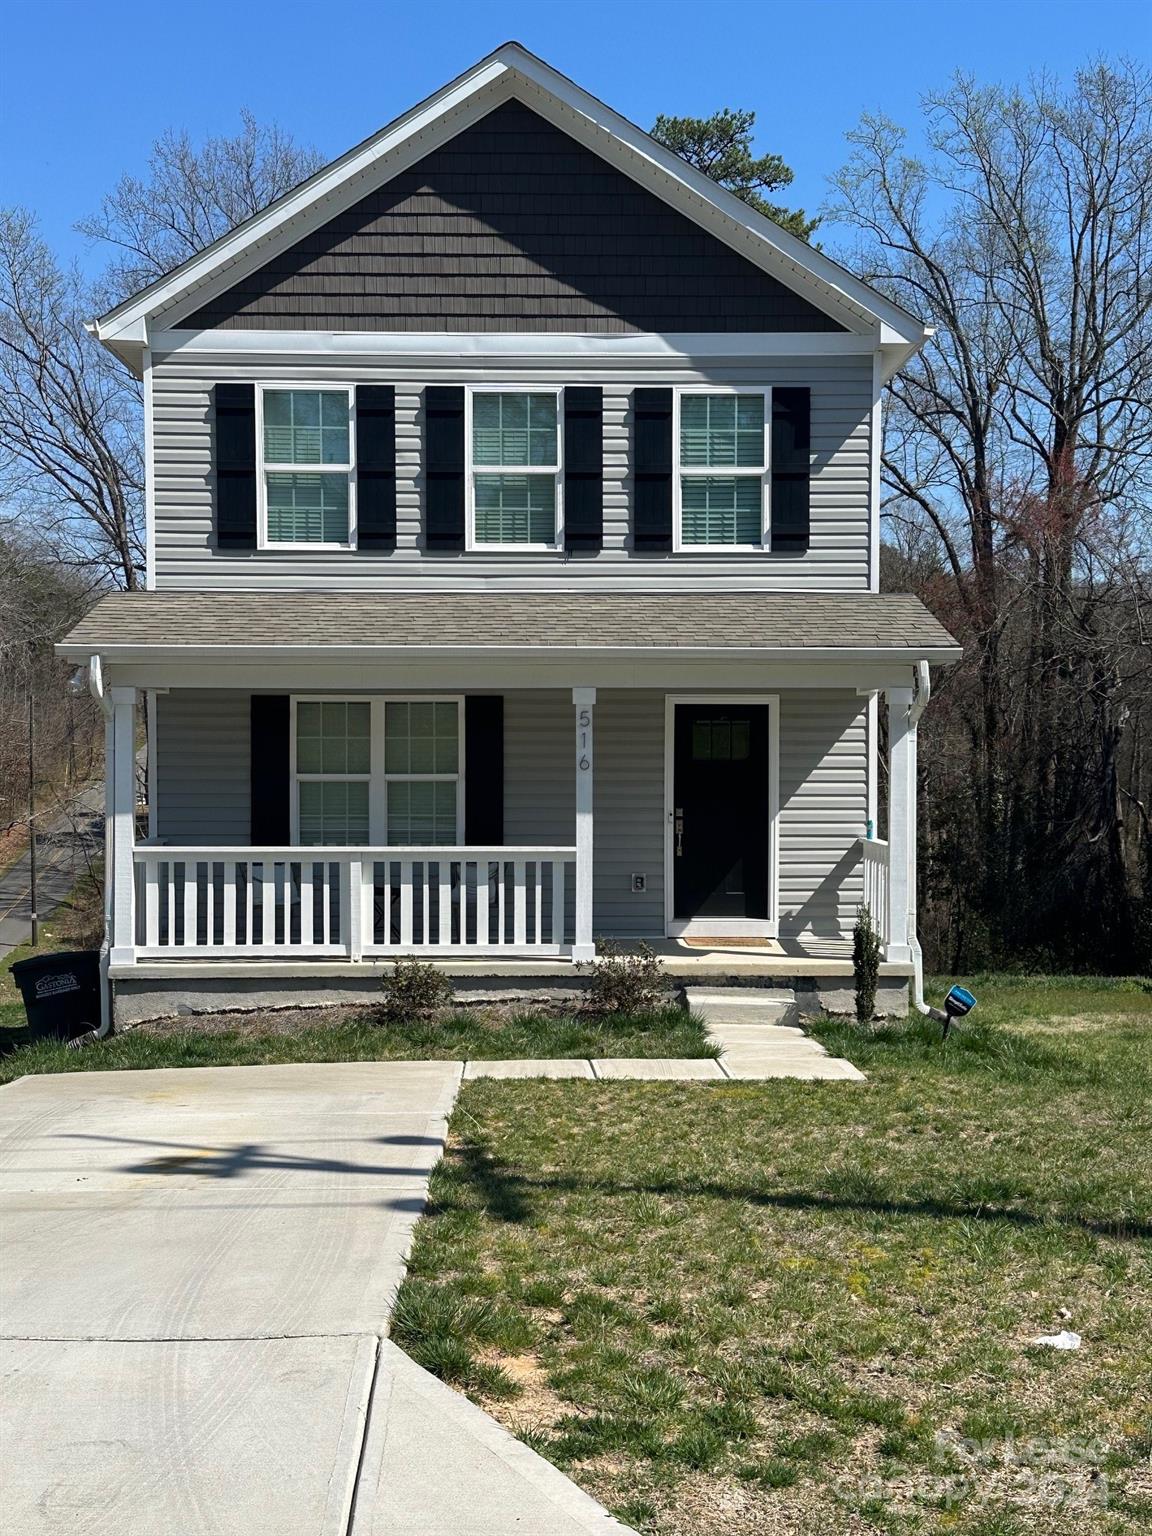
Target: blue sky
x=87, y=86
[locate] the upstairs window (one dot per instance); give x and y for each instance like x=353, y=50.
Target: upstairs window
x=306, y=470
x=722, y=474
x=514, y=470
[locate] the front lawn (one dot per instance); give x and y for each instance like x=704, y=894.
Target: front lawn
x=733, y=1309
x=351, y=1034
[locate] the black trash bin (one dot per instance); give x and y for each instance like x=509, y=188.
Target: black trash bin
x=61, y=993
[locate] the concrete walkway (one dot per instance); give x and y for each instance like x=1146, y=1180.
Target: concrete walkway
x=198, y=1271
x=760, y=1036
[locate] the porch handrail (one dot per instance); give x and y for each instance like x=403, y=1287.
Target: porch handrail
x=323, y=901
x=318, y=851
x=875, y=858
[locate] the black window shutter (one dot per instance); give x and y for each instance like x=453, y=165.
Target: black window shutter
x=583, y=467
x=235, y=466
x=444, y=466
x=375, y=466
x=652, y=468
x=791, y=468
x=271, y=759
x=484, y=770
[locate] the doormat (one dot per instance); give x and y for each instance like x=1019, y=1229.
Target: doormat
x=742, y=941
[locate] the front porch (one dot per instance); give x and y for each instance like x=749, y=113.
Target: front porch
x=321, y=805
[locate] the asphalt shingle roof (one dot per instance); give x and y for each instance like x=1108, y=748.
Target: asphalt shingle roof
x=544, y=620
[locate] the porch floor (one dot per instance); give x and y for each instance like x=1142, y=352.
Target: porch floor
x=774, y=959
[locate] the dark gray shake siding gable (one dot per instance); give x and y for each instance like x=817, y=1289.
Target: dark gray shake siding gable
x=185, y=555
x=511, y=226
x=204, y=793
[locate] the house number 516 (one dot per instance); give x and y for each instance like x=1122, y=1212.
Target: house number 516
x=583, y=727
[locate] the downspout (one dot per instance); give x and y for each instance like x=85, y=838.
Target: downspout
x=919, y=705
x=96, y=689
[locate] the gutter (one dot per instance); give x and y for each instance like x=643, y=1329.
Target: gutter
x=959, y=1001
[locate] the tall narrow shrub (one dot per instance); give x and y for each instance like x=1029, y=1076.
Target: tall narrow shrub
x=865, y=964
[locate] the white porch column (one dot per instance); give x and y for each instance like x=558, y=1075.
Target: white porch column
x=901, y=821
x=120, y=811
x=584, y=700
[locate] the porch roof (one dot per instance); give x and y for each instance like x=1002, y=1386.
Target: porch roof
x=812, y=627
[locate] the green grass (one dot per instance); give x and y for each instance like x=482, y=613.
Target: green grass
x=350, y=1035
x=357, y=1037
x=798, y=1308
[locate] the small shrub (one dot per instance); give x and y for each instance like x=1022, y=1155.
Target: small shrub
x=415, y=990
x=865, y=964
x=626, y=981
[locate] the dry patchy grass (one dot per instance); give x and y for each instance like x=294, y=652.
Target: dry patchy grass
x=735, y=1309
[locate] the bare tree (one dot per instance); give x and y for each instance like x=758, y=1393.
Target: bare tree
x=193, y=195
x=1022, y=439
x=70, y=456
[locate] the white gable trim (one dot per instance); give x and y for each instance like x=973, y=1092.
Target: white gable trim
x=509, y=72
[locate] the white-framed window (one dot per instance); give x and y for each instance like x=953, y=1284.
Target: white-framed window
x=423, y=771
x=307, y=470
x=515, y=446
x=720, y=447
x=332, y=764
x=378, y=772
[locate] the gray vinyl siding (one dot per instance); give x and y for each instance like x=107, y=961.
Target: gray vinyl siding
x=203, y=793
x=823, y=810
x=203, y=769
x=837, y=560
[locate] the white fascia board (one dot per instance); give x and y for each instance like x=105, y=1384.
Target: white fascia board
x=517, y=346
x=512, y=71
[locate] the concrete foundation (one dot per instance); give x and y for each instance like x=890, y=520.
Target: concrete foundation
x=162, y=992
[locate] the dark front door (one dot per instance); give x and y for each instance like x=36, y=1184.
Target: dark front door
x=720, y=811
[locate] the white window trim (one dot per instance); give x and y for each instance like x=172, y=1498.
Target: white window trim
x=263, y=469
x=471, y=543
x=377, y=778
x=721, y=472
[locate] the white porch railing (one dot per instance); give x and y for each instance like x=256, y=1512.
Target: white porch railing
x=353, y=902
x=875, y=858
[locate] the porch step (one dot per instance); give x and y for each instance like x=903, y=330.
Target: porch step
x=757, y=1006
x=759, y=1036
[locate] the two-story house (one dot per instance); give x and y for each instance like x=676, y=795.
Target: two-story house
x=513, y=540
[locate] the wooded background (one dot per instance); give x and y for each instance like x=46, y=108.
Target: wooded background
x=1017, y=472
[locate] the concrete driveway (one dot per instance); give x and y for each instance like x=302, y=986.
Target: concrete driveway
x=196, y=1274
